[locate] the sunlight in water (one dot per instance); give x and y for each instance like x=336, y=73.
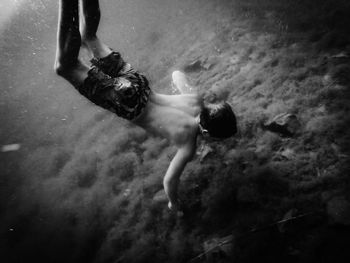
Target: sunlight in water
x=7, y=9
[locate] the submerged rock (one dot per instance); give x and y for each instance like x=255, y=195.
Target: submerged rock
x=10, y=147
x=285, y=124
x=203, y=151
x=194, y=66
x=341, y=55
x=160, y=196
x=287, y=154
x=340, y=74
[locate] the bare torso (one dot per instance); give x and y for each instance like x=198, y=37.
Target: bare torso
x=172, y=117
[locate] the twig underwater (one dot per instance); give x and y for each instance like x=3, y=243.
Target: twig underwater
x=253, y=230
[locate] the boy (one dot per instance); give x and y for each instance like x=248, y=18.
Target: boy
x=114, y=85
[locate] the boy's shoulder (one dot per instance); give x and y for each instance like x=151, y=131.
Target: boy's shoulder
x=187, y=131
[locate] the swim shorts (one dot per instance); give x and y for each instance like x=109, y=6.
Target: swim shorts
x=114, y=85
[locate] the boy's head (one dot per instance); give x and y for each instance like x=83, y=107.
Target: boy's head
x=218, y=120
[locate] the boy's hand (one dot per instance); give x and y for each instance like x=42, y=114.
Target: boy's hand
x=176, y=209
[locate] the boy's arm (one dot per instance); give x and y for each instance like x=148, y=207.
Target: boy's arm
x=181, y=83
x=175, y=169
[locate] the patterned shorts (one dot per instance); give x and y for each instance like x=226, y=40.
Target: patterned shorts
x=114, y=85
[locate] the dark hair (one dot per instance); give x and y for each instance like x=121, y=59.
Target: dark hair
x=219, y=120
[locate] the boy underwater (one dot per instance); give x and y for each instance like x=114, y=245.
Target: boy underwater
x=113, y=84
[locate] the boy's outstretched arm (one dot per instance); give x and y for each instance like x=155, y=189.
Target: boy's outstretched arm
x=172, y=177
x=180, y=82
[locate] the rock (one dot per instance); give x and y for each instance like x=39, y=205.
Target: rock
x=285, y=124
x=288, y=154
x=10, y=147
x=338, y=209
x=231, y=156
x=203, y=151
x=160, y=196
x=341, y=55
x=207, y=65
x=127, y=192
x=194, y=66
x=340, y=74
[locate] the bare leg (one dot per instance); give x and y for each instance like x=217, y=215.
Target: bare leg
x=67, y=63
x=88, y=27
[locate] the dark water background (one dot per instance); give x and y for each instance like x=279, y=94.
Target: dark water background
x=80, y=188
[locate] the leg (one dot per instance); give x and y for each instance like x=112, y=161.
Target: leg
x=89, y=22
x=67, y=63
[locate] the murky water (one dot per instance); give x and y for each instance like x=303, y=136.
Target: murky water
x=51, y=137
x=77, y=182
